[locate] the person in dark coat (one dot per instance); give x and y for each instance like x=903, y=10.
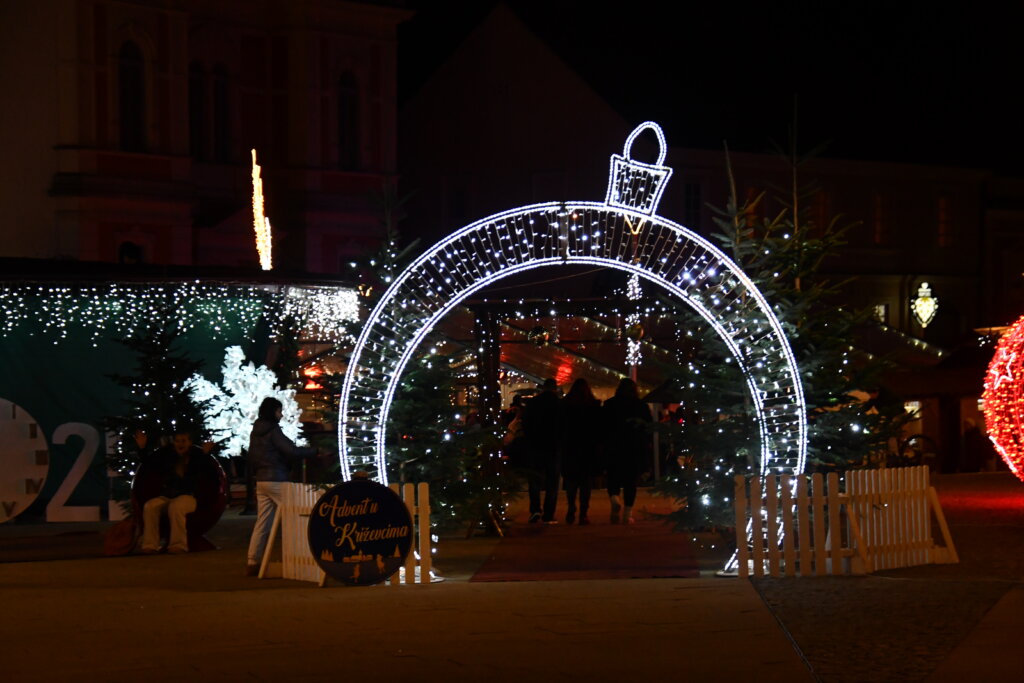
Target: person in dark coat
x=542, y=430
x=270, y=453
x=177, y=467
x=581, y=436
x=626, y=419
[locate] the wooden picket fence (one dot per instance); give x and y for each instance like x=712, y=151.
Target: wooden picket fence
x=894, y=507
x=795, y=525
x=297, y=561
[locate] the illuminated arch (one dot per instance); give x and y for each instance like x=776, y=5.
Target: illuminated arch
x=622, y=232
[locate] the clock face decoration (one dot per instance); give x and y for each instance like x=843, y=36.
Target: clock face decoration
x=1003, y=399
x=24, y=460
x=624, y=233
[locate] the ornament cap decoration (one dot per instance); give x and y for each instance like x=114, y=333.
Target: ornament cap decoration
x=633, y=184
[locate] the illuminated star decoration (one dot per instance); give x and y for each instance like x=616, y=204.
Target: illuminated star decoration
x=260, y=223
x=1003, y=399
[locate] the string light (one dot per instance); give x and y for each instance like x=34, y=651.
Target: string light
x=600, y=234
x=1003, y=398
x=260, y=223
x=220, y=311
x=633, y=329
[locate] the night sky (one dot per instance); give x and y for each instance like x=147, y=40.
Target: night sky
x=918, y=82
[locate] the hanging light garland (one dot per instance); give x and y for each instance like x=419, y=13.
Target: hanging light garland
x=221, y=311
x=1003, y=398
x=634, y=330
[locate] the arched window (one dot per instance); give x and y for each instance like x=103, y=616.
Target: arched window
x=197, y=142
x=131, y=91
x=348, y=122
x=221, y=115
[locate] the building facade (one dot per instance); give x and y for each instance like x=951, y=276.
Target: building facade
x=532, y=130
x=131, y=123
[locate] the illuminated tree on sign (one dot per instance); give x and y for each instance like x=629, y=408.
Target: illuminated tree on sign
x=622, y=232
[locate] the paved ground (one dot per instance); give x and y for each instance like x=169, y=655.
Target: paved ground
x=954, y=622
x=167, y=617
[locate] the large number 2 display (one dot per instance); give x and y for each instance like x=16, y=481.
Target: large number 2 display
x=25, y=463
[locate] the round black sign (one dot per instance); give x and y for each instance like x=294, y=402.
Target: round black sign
x=360, y=532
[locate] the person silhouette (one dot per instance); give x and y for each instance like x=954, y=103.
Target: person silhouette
x=626, y=420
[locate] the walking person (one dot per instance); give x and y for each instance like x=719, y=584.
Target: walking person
x=626, y=420
x=581, y=436
x=542, y=429
x=269, y=454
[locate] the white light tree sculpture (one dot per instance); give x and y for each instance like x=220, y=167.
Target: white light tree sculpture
x=233, y=408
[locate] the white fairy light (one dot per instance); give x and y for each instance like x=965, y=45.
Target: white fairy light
x=633, y=293
x=260, y=223
x=664, y=253
x=220, y=311
x=325, y=308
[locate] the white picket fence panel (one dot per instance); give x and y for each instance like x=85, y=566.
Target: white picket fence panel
x=795, y=525
x=894, y=507
x=292, y=520
x=297, y=501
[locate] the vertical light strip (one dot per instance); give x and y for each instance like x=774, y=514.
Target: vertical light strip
x=260, y=223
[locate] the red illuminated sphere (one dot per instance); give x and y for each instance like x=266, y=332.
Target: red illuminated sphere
x=1003, y=399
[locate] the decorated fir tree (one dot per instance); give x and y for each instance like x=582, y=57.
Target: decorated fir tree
x=850, y=422
x=430, y=439
x=158, y=400
x=378, y=269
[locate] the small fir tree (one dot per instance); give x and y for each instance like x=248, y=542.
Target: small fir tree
x=430, y=439
x=158, y=401
x=783, y=256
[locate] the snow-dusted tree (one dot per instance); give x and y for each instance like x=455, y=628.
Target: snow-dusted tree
x=231, y=409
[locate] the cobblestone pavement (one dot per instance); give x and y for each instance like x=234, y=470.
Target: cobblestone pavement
x=900, y=625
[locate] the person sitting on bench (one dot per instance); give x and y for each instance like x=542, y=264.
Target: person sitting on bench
x=177, y=466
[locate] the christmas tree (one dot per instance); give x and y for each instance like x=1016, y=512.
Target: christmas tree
x=850, y=421
x=377, y=270
x=431, y=439
x=158, y=401
x=428, y=438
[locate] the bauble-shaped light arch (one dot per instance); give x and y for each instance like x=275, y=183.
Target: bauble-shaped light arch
x=624, y=233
